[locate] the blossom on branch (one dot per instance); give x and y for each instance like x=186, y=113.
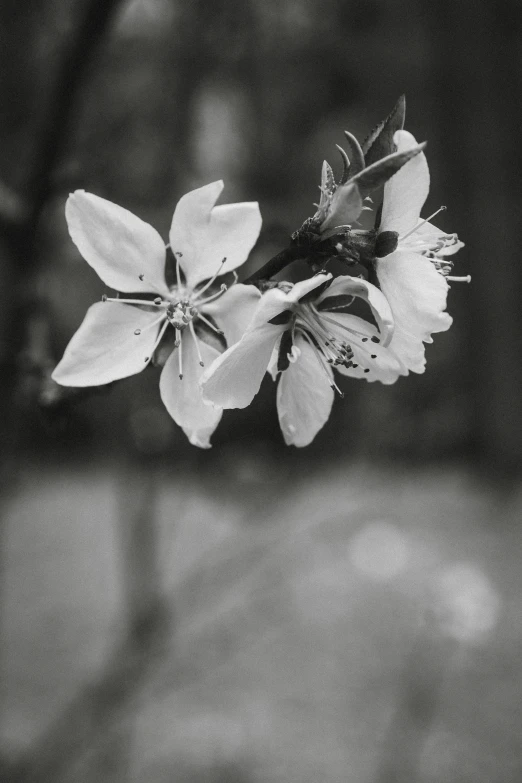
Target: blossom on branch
x=120, y=336
x=302, y=332
x=413, y=264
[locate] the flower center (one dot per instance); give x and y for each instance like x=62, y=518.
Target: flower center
x=180, y=309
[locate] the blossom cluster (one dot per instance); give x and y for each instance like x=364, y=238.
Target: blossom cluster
x=224, y=337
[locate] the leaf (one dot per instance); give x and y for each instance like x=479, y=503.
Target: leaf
x=345, y=207
x=379, y=143
x=346, y=166
x=327, y=180
x=357, y=155
x=381, y=171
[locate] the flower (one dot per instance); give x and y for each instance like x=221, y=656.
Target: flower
x=119, y=336
x=301, y=332
x=412, y=263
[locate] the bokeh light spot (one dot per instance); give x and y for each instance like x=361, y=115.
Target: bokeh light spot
x=379, y=550
x=468, y=604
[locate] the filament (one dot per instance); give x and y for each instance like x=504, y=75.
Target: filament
x=413, y=230
x=193, y=332
x=209, y=283
x=158, y=340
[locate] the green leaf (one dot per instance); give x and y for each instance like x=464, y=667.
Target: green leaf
x=346, y=166
x=379, y=143
x=381, y=171
x=357, y=155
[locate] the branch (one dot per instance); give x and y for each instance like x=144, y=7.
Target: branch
x=76, y=62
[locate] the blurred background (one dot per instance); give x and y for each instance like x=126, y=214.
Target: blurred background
x=347, y=612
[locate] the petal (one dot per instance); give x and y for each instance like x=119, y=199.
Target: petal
x=379, y=362
x=105, y=347
x=125, y=252
x=235, y=377
x=429, y=237
x=182, y=397
x=234, y=310
x=406, y=192
x=305, y=287
x=304, y=398
x=205, y=234
x=355, y=286
x=417, y=295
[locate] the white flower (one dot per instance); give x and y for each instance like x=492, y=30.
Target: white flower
x=300, y=331
x=119, y=336
x=414, y=276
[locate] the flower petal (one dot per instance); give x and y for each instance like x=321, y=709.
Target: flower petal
x=234, y=310
x=205, y=234
x=429, y=237
x=126, y=253
x=406, y=192
x=304, y=397
x=368, y=351
x=417, y=295
x=182, y=397
x=235, y=377
x=355, y=286
x=105, y=347
x=304, y=287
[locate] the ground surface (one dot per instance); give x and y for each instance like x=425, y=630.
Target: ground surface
x=354, y=625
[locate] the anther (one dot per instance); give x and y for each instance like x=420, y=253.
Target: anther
x=364, y=340
x=366, y=370
x=373, y=355
x=158, y=300
x=147, y=359
x=104, y=297
x=178, y=254
x=375, y=340
x=465, y=279
x=137, y=332
x=141, y=277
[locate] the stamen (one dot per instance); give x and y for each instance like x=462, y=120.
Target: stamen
x=208, y=323
x=209, y=282
x=178, y=275
x=319, y=358
x=214, y=296
x=440, y=209
x=465, y=279
x=156, y=303
x=146, y=328
x=193, y=332
x=355, y=332
x=180, y=356
x=158, y=340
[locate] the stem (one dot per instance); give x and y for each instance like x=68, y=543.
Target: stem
x=277, y=263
